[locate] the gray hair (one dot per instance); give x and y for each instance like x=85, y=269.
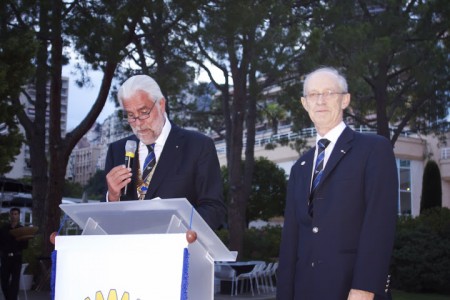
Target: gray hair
x=139, y=83
x=341, y=81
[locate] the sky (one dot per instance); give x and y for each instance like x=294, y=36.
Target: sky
x=82, y=99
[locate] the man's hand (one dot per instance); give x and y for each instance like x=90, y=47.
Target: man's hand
x=117, y=179
x=360, y=295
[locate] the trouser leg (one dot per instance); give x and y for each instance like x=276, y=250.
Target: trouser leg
x=16, y=267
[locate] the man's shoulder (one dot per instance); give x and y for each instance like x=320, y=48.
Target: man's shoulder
x=370, y=138
x=123, y=140
x=190, y=133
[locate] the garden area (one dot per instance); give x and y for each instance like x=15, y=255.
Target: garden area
x=420, y=263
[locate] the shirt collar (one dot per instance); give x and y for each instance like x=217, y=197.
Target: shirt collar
x=162, y=138
x=333, y=134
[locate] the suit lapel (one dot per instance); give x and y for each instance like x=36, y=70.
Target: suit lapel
x=343, y=145
x=308, y=164
x=170, y=159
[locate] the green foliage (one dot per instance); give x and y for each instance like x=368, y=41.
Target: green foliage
x=11, y=143
x=267, y=198
x=421, y=257
x=262, y=244
x=31, y=254
x=400, y=295
x=72, y=189
x=395, y=57
x=259, y=244
x=431, y=187
x=17, y=46
x=96, y=186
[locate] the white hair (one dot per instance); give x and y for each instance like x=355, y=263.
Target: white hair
x=341, y=81
x=139, y=83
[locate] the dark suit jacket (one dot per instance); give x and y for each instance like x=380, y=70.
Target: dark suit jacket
x=188, y=167
x=348, y=242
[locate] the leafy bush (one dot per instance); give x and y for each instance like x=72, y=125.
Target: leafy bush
x=259, y=244
x=262, y=244
x=421, y=258
x=31, y=254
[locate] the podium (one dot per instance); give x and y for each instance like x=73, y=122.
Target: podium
x=137, y=250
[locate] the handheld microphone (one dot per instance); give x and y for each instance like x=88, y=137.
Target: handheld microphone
x=130, y=149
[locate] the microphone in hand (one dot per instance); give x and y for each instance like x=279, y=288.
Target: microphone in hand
x=130, y=149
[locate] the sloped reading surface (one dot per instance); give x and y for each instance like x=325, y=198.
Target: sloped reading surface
x=148, y=217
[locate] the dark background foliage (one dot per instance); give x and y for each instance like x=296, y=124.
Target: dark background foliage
x=421, y=258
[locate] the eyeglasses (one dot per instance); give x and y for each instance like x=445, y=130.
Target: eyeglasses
x=326, y=95
x=145, y=114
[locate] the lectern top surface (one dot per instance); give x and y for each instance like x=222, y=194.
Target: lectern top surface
x=149, y=217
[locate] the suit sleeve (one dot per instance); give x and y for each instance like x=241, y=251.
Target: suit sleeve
x=378, y=229
x=208, y=184
x=109, y=164
x=288, y=247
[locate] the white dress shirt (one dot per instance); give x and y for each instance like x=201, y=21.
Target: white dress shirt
x=159, y=144
x=332, y=136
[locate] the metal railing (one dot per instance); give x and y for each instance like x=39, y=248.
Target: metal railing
x=285, y=133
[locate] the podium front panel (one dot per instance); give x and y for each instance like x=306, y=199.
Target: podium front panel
x=140, y=266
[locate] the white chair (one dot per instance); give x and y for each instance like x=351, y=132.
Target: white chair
x=254, y=274
x=265, y=277
x=273, y=274
x=22, y=271
x=225, y=272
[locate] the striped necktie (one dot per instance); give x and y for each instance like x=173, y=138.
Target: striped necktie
x=149, y=162
x=318, y=170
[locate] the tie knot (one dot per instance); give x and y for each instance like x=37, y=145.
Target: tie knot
x=323, y=143
x=150, y=147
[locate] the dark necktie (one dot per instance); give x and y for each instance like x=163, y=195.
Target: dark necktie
x=149, y=162
x=318, y=170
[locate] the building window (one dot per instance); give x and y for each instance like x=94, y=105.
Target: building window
x=404, y=177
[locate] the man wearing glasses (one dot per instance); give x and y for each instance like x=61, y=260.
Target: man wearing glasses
x=341, y=205
x=169, y=162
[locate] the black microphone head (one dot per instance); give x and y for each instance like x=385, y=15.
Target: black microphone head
x=130, y=148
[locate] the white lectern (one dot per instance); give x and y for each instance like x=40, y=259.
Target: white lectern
x=136, y=250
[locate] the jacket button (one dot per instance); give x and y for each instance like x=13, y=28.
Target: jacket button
x=315, y=229
x=312, y=264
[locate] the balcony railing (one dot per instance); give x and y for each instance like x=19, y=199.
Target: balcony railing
x=285, y=133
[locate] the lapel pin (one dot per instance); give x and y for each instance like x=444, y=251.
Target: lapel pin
x=342, y=151
x=302, y=163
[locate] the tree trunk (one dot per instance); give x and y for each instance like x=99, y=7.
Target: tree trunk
x=57, y=170
x=238, y=199
x=36, y=134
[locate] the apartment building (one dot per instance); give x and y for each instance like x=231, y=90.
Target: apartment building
x=83, y=162
x=89, y=154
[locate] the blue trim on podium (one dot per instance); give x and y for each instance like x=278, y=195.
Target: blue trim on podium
x=185, y=274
